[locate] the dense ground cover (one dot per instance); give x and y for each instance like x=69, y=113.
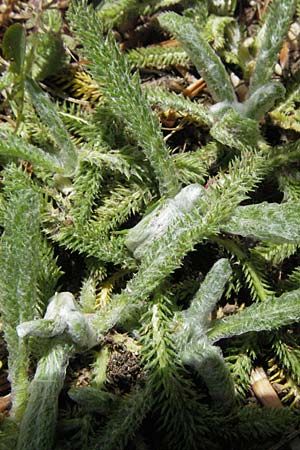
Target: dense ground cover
x=149, y=207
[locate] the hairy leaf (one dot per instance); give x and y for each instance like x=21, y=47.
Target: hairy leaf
x=14, y=147
x=37, y=430
x=205, y=59
x=262, y=100
x=235, y=131
x=271, y=222
x=266, y=316
x=186, y=108
x=123, y=92
x=275, y=29
x=66, y=153
x=196, y=317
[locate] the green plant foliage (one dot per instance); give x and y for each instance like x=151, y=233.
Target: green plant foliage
x=275, y=253
x=24, y=257
x=236, y=132
x=193, y=167
x=45, y=109
x=209, y=293
x=272, y=313
x=274, y=30
x=157, y=57
x=205, y=60
x=286, y=115
x=179, y=243
x=125, y=420
x=93, y=399
x=215, y=30
x=240, y=365
x=124, y=96
x=120, y=13
x=14, y=148
x=175, y=397
x=251, y=267
x=266, y=423
x=263, y=99
x=188, y=109
x=48, y=44
x=38, y=55
x=263, y=93
x=61, y=316
x=197, y=351
x=38, y=425
x=288, y=355
x=8, y=434
x=14, y=47
x=273, y=222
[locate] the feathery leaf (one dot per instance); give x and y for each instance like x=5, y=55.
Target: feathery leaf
x=66, y=154
x=124, y=95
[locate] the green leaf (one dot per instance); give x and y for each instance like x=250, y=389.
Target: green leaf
x=121, y=13
x=266, y=316
x=37, y=429
x=210, y=292
x=287, y=115
x=271, y=222
x=205, y=59
x=165, y=254
x=19, y=270
x=41, y=328
x=236, y=132
x=13, y=46
x=262, y=100
x=66, y=154
x=274, y=31
x=15, y=147
x=154, y=225
x=50, y=56
x=122, y=91
x=209, y=363
x=157, y=57
x=62, y=315
x=124, y=422
x=215, y=30
x=94, y=399
x=164, y=99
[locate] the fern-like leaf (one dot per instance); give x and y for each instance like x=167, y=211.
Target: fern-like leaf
x=236, y=132
x=254, y=277
x=177, y=400
x=13, y=147
x=66, y=153
x=286, y=114
x=158, y=57
x=24, y=257
x=192, y=111
x=124, y=96
x=121, y=13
